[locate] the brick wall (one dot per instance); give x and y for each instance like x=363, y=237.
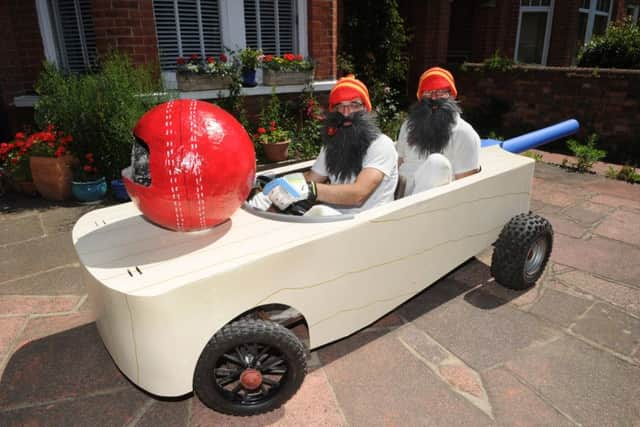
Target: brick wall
x=21, y=48
x=323, y=36
x=563, y=44
x=606, y=102
x=428, y=21
x=128, y=26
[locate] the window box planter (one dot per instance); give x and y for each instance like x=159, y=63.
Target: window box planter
x=193, y=81
x=281, y=78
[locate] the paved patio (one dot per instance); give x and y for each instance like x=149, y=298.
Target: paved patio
x=463, y=352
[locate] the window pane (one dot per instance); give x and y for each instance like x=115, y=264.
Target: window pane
x=585, y=4
x=582, y=27
x=603, y=6
x=270, y=25
x=180, y=33
x=77, y=35
x=599, y=25
x=532, y=33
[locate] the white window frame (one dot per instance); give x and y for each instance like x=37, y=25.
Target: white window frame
x=547, y=36
x=232, y=32
x=53, y=51
x=591, y=17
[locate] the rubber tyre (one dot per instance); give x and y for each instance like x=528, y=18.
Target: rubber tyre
x=522, y=251
x=248, y=332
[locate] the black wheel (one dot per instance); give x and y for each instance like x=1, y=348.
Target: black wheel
x=250, y=367
x=522, y=251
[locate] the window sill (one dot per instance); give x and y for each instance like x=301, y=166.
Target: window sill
x=324, y=85
x=28, y=101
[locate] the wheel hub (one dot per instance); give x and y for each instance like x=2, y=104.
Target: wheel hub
x=251, y=379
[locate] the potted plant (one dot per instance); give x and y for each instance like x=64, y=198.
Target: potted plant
x=207, y=73
x=88, y=185
x=249, y=61
x=288, y=69
x=275, y=141
x=14, y=162
x=51, y=163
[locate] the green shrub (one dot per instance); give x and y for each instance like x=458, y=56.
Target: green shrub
x=307, y=142
x=374, y=43
x=498, y=62
x=586, y=154
x=99, y=110
x=619, y=47
x=628, y=173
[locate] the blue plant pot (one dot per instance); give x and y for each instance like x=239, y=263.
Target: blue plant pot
x=89, y=191
x=249, y=78
x=119, y=190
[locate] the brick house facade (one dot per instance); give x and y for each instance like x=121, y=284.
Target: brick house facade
x=453, y=31
x=129, y=26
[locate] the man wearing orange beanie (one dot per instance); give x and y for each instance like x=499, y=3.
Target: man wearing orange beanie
x=357, y=168
x=435, y=145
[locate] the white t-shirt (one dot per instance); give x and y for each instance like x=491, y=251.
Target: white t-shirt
x=380, y=155
x=463, y=151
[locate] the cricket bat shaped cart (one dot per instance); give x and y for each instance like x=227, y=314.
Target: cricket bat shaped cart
x=210, y=311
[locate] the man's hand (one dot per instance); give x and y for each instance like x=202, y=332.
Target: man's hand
x=289, y=189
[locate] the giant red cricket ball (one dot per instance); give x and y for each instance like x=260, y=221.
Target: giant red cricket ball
x=193, y=165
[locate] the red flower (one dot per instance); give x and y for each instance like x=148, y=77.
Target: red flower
x=299, y=57
x=223, y=57
x=180, y=60
x=210, y=60
x=59, y=152
x=262, y=131
x=273, y=125
x=331, y=131
x=268, y=58
x=89, y=157
x=87, y=168
x=194, y=56
x=289, y=56
x=19, y=135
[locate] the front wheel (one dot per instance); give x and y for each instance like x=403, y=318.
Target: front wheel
x=250, y=367
x=522, y=251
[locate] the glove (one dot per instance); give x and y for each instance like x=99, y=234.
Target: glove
x=260, y=202
x=289, y=189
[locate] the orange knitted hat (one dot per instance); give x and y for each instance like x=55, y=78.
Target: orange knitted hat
x=349, y=88
x=436, y=78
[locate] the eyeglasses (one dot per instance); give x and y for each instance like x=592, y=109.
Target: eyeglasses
x=436, y=94
x=348, y=106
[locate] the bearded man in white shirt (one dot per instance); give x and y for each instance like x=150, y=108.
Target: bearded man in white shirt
x=435, y=145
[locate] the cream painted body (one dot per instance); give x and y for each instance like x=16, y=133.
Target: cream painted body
x=161, y=295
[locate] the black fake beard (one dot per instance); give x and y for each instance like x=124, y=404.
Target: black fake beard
x=430, y=123
x=346, y=146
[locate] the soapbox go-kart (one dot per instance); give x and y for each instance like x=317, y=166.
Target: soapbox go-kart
x=211, y=311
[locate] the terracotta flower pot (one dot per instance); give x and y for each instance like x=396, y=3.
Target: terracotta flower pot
x=276, y=152
x=52, y=176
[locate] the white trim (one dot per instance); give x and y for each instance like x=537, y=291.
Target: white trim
x=231, y=26
x=303, y=36
x=46, y=31
x=318, y=86
x=591, y=17
x=547, y=36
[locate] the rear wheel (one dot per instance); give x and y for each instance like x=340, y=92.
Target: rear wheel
x=250, y=367
x=522, y=251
